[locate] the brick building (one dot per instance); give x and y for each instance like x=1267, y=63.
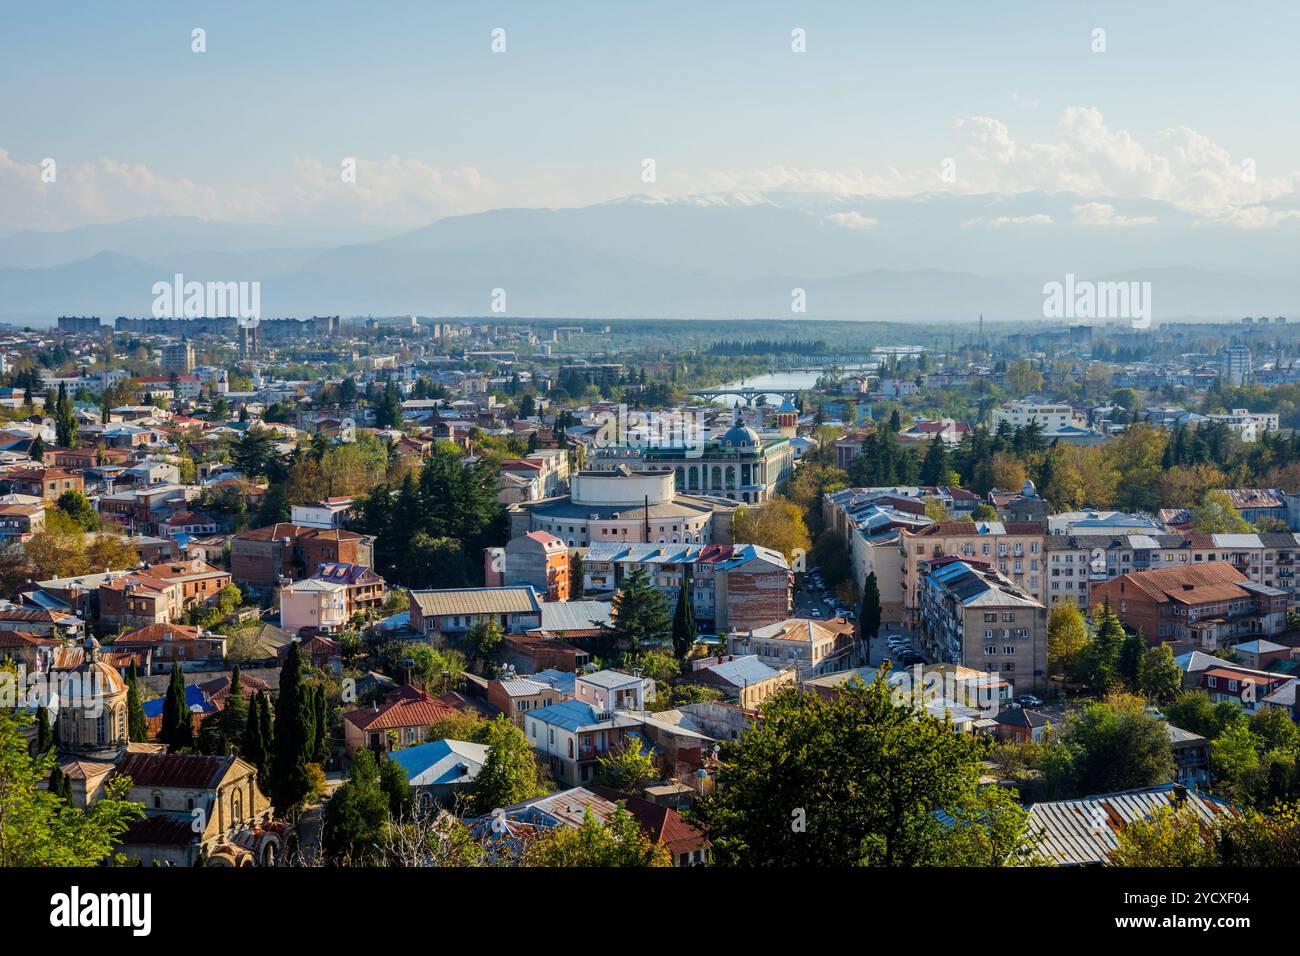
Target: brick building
x=1211, y=605
x=262, y=557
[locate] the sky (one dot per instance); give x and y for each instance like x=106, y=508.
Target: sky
x=257, y=127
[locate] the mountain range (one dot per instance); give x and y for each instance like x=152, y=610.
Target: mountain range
x=939, y=257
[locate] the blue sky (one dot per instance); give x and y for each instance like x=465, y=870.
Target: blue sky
x=255, y=128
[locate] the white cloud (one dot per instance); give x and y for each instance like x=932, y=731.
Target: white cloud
x=1104, y=214
x=394, y=191
x=1084, y=156
x=997, y=222
x=852, y=220
x=1024, y=103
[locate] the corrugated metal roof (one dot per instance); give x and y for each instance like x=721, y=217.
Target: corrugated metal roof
x=505, y=600
x=1086, y=831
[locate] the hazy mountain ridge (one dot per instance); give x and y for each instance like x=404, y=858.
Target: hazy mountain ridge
x=940, y=257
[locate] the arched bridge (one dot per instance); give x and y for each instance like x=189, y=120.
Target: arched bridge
x=748, y=395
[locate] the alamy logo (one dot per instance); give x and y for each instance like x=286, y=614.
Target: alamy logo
x=179, y=299
x=1085, y=299
x=75, y=909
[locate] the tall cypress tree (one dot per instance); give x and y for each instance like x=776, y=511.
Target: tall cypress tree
x=234, y=716
x=293, y=736
x=177, y=730
x=137, y=726
x=44, y=733
x=252, y=747
x=684, y=631
x=321, y=750
x=869, y=610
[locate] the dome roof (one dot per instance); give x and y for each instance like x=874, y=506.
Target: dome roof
x=98, y=678
x=740, y=436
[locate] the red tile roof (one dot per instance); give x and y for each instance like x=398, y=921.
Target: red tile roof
x=405, y=707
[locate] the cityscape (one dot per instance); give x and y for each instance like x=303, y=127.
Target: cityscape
x=490, y=463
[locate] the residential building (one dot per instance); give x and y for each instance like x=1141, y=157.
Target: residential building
x=1212, y=605
x=400, y=720
x=449, y=613
x=314, y=604
x=1014, y=549
x=266, y=557
x=813, y=648
x=973, y=616
x=572, y=735
x=732, y=586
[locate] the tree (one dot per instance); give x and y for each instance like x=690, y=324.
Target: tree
x=627, y=767
x=234, y=715
x=65, y=420
x=1168, y=837
x=396, y=786
x=640, y=612
x=1100, y=659
x=253, y=745
x=137, y=725
x=1159, y=677
x=1194, y=711
x=321, y=742
x=37, y=450
x=293, y=739
x=1067, y=639
x=78, y=507
x=1022, y=378
x=1116, y=745
x=848, y=781
x=177, y=730
x=1131, y=653
x=1216, y=514
x=1235, y=761
x=684, y=629
x=619, y=841
x=354, y=818
x=40, y=828
x=869, y=613
x=483, y=639
x=778, y=524
x=44, y=732
x=510, y=772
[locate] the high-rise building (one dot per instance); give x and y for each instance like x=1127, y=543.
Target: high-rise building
x=1235, y=366
x=178, y=359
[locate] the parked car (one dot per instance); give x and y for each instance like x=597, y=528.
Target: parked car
x=1029, y=700
x=912, y=658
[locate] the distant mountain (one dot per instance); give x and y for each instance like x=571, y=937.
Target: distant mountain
x=925, y=258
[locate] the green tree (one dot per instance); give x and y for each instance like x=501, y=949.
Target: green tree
x=253, y=746
x=1159, y=677
x=627, y=767
x=1167, y=838
x=1131, y=653
x=640, y=613
x=1067, y=639
x=39, y=828
x=869, y=613
x=1194, y=711
x=619, y=841
x=1101, y=659
x=293, y=739
x=177, y=730
x=78, y=507
x=510, y=772
x=684, y=630
x=483, y=639
x=137, y=725
x=396, y=786
x=1216, y=514
x=849, y=781
x=1116, y=745
x=353, y=821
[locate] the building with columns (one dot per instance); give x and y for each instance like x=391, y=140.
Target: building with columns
x=742, y=465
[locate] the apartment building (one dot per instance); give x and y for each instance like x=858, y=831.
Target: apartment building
x=732, y=586
x=813, y=648
x=975, y=617
x=1014, y=549
x=1211, y=605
